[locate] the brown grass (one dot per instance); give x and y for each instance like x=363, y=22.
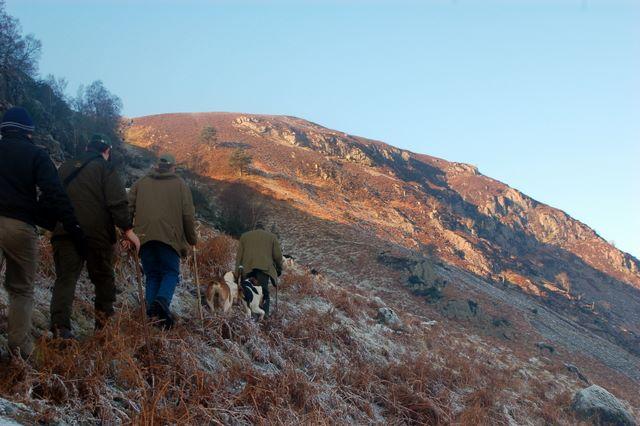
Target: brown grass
x=300, y=284
x=309, y=364
x=46, y=266
x=215, y=257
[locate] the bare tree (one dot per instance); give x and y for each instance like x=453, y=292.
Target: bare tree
x=99, y=111
x=240, y=209
x=19, y=56
x=198, y=164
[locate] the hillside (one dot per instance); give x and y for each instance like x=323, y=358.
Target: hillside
x=398, y=208
x=325, y=357
x=474, y=336
x=480, y=254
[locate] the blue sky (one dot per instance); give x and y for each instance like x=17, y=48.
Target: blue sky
x=542, y=95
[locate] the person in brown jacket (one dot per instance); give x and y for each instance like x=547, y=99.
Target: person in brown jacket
x=100, y=202
x=164, y=218
x=260, y=256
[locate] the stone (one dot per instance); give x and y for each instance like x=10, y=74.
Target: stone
x=389, y=318
x=10, y=409
x=460, y=309
x=599, y=405
x=572, y=368
x=545, y=346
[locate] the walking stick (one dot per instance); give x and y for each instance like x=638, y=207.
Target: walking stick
x=240, y=291
x=195, y=271
x=276, y=281
x=143, y=303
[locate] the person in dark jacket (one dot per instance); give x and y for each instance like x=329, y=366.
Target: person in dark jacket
x=259, y=256
x=25, y=171
x=164, y=217
x=100, y=202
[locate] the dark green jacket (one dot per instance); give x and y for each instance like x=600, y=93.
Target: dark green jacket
x=259, y=249
x=162, y=208
x=99, y=199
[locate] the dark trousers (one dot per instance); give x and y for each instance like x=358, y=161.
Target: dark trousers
x=69, y=265
x=263, y=280
x=161, y=265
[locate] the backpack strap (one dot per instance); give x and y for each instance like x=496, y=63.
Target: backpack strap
x=78, y=169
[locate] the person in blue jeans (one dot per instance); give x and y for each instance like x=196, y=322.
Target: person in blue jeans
x=161, y=265
x=164, y=219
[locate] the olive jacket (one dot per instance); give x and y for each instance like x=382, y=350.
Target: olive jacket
x=99, y=199
x=162, y=209
x=259, y=249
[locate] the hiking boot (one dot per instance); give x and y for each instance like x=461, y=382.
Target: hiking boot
x=99, y=322
x=63, y=333
x=152, y=310
x=161, y=309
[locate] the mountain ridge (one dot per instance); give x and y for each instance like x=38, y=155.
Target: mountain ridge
x=512, y=193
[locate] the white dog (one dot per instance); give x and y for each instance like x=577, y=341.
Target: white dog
x=252, y=296
x=226, y=292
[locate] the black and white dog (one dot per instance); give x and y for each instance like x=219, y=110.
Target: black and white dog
x=252, y=296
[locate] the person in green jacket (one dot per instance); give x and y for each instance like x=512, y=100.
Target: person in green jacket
x=100, y=202
x=164, y=217
x=260, y=256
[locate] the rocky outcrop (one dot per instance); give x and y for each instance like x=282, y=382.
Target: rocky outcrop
x=330, y=144
x=598, y=405
x=388, y=317
x=423, y=279
x=10, y=410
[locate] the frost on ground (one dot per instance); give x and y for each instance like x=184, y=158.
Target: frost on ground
x=324, y=357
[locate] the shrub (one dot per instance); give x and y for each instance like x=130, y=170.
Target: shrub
x=208, y=135
x=216, y=257
x=240, y=160
x=240, y=209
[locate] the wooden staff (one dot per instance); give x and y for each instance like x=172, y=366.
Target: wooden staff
x=195, y=272
x=143, y=303
x=143, y=306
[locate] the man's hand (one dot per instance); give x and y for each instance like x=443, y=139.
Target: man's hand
x=79, y=241
x=132, y=239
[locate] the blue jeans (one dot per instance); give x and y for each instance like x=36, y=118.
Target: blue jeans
x=161, y=266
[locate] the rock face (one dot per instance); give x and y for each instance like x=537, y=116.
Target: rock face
x=597, y=404
x=10, y=409
x=389, y=318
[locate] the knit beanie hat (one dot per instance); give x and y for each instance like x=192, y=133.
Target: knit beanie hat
x=17, y=119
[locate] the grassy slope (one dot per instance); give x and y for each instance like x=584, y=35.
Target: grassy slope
x=323, y=359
